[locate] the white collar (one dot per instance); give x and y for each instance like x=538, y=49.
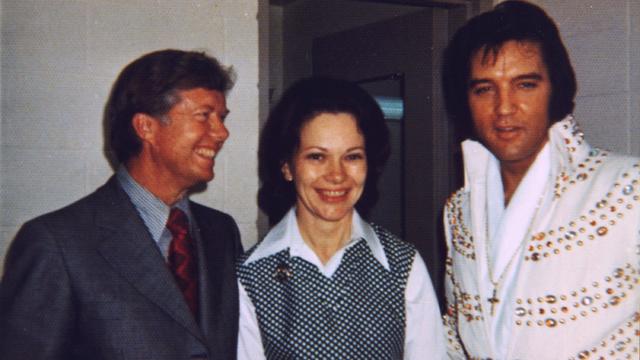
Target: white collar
x=509, y=226
x=286, y=235
x=568, y=149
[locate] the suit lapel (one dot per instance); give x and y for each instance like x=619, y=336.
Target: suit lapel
x=126, y=244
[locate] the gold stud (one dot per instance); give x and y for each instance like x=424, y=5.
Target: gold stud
x=615, y=300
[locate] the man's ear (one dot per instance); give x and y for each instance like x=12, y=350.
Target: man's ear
x=286, y=172
x=144, y=125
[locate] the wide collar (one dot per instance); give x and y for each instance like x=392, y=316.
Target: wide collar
x=568, y=150
x=286, y=235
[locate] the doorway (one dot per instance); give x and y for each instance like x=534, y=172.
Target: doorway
x=393, y=50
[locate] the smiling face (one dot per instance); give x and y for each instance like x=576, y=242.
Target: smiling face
x=509, y=98
x=183, y=146
x=329, y=168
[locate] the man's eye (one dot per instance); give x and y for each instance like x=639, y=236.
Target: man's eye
x=202, y=116
x=528, y=85
x=479, y=90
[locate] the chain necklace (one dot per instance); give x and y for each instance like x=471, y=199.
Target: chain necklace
x=496, y=283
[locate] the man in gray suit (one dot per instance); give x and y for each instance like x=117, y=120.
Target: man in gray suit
x=135, y=270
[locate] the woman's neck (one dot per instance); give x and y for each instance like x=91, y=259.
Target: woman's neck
x=325, y=238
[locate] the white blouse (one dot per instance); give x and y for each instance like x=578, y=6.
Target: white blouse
x=424, y=334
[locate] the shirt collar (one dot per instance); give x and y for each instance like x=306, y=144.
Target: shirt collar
x=153, y=211
x=286, y=235
x=568, y=149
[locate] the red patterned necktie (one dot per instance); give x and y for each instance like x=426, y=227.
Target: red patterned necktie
x=182, y=258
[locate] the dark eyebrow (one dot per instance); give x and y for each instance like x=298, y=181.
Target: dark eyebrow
x=474, y=82
x=315, y=147
x=529, y=76
x=213, y=109
x=356, y=148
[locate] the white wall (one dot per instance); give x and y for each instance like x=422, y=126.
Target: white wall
x=59, y=59
x=603, y=38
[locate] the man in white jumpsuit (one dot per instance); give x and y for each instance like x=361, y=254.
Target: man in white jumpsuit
x=543, y=240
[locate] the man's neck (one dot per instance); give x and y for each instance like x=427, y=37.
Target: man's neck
x=511, y=178
x=145, y=176
x=512, y=173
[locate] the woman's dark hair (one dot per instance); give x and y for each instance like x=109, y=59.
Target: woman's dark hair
x=150, y=85
x=510, y=20
x=280, y=138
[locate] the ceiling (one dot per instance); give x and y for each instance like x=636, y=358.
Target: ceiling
x=280, y=2
x=445, y=3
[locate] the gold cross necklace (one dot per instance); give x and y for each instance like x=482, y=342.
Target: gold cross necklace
x=494, y=297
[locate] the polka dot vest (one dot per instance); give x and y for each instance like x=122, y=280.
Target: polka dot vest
x=358, y=313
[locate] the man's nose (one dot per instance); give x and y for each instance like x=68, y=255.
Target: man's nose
x=217, y=128
x=505, y=102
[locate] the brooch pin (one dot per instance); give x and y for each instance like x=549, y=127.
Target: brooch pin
x=283, y=273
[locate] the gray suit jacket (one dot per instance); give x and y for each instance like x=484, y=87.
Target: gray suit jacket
x=88, y=282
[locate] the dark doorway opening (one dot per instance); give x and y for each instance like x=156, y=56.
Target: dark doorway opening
x=393, y=48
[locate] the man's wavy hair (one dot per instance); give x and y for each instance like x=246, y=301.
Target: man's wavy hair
x=151, y=85
x=510, y=20
x=280, y=138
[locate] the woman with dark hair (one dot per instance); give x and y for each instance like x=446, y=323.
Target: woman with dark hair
x=324, y=283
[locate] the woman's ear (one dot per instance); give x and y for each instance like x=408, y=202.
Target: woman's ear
x=286, y=172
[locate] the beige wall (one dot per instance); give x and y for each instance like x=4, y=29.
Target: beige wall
x=59, y=60
x=603, y=38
